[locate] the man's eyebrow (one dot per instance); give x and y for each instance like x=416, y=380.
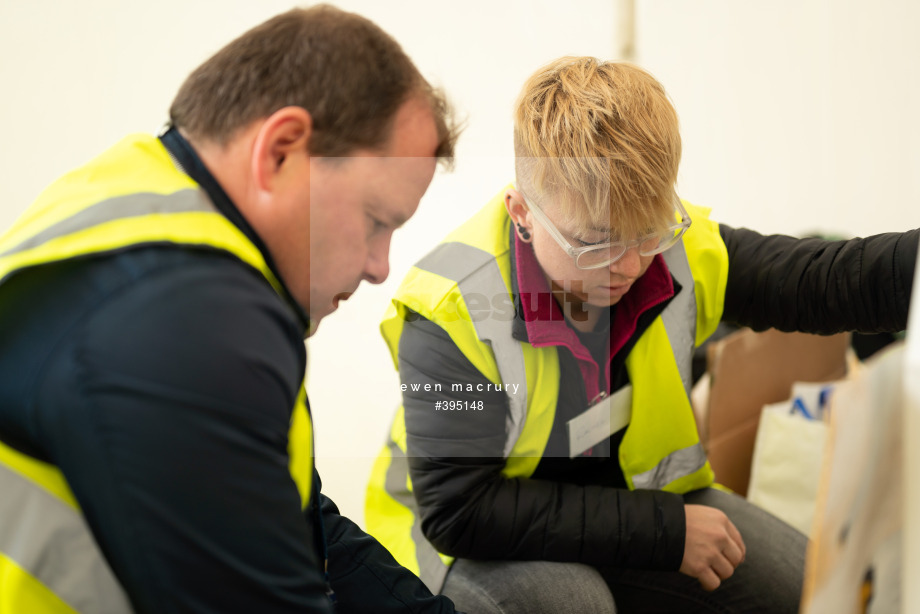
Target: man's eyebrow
x=396, y=220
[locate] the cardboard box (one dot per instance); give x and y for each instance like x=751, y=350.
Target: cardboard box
x=748, y=370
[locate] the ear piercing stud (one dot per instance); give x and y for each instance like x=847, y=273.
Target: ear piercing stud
x=525, y=234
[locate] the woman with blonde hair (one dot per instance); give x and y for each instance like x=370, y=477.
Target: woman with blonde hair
x=546, y=458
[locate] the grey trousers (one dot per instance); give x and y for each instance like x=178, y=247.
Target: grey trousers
x=769, y=580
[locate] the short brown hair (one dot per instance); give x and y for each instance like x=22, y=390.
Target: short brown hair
x=601, y=139
x=348, y=73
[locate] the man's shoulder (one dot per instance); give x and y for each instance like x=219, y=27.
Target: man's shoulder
x=163, y=302
x=178, y=279
x=172, y=324
x=201, y=294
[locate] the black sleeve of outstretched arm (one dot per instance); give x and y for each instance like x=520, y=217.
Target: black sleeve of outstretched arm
x=365, y=576
x=818, y=286
x=470, y=509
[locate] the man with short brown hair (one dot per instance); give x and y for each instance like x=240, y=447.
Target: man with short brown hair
x=155, y=439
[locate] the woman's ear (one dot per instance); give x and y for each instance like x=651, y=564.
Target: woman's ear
x=280, y=146
x=517, y=208
x=519, y=214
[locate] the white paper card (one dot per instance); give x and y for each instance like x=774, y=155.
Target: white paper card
x=599, y=421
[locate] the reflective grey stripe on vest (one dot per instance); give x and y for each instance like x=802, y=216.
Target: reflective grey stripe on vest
x=679, y=317
x=674, y=466
x=50, y=540
x=119, y=207
x=432, y=570
x=476, y=270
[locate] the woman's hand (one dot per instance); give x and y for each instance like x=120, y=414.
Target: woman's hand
x=713, y=547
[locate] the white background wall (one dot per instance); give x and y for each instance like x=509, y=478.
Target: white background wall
x=797, y=115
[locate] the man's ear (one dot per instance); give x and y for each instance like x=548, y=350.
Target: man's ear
x=517, y=208
x=281, y=144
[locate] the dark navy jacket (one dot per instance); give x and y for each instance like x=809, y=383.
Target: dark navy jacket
x=160, y=380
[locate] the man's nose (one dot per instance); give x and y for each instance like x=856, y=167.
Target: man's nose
x=377, y=266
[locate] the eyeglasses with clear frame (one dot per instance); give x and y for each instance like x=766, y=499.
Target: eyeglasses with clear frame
x=605, y=254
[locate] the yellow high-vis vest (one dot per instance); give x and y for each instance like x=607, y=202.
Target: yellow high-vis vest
x=661, y=447
x=131, y=196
